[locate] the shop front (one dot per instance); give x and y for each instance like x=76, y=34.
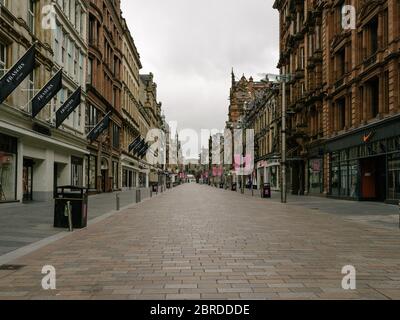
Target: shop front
x=268, y=171
x=130, y=173
x=315, y=176
x=365, y=165
x=8, y=168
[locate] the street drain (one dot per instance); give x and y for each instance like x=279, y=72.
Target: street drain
x=11, y=267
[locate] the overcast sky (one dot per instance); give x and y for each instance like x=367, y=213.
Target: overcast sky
x=191, y=47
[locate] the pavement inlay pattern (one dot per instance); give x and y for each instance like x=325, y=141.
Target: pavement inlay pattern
x=198, y=242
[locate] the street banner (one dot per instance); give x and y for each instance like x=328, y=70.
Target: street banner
x=13, y=78
x=138, y=147
x=45, y=95
x=100, y=127
x=68, y=107
x=134, y=144
x=143, y=151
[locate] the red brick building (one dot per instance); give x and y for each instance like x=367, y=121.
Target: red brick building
x=104, y=93
x=344, y=97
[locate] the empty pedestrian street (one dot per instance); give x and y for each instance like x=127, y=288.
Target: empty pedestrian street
x=200, y=242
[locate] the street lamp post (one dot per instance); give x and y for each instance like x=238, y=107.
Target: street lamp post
x=283, y=78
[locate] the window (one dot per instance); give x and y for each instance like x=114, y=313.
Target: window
x=116, y=136
x=302, y=58
x=91, y=171
x=92, y=118
x=81, y=76
x=3, y=59
x=394, y=177
x=373, y=30
x=31, y=15
x=341, y=105
x=373, y=86
x=70, y=67
x=57, y=41
x=76, y=172
x=8, y=168
x=90, y=71
x=341, y=63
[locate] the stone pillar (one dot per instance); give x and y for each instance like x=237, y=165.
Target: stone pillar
x=19, y=170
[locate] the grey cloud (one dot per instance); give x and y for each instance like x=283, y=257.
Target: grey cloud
x=191, y=47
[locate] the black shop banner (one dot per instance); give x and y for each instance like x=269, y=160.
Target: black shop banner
x=68, y=107
x=47, y=93
x=100, y=128
x=13, y=78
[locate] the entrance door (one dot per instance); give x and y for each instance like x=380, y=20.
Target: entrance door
x=103, y=180
x=27, y=180
x=373, y=179
x=55, y=182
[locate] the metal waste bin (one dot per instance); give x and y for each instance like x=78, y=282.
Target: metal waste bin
x=77, y=197
x=155, y=188
x=266, y=192
x=234, y=186
x=221, y=185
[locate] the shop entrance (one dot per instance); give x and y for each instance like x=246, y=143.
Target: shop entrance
x=373, y=178
x=27, y=180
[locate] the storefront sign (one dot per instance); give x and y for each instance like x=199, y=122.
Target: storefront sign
x=68, y=107
x=45, y=95
x=367, y=137
x=13, y=78
x=100, y=128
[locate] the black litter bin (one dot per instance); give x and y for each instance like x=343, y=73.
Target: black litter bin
x=266, y=190
x=168, y=185
x=78, y=199
x=155, y=188
x=234, y=186
x=221, y=185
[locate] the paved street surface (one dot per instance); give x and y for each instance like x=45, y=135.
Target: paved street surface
x=200, y=242
x=375, y=213
x=24, y=224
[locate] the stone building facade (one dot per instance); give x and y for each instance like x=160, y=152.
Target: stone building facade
x=132, y=114
x=152, y=119
x=263, y=115
x=104, y=92
x=344, y=97
x=35, y=157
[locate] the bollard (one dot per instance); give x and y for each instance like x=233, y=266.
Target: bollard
x=138, y=196
x=68, y=209
x=117, y=200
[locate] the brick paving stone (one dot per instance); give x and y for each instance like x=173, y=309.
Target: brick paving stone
x=197, y=242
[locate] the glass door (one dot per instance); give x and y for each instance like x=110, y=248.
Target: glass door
x=27, y=180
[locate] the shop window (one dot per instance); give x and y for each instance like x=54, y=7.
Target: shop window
x=394, y=177
x=125, y=175
x=8, y=163
x=91, y=171
x=315, y=176
x=77, y=172
x=353, y=179
x=344, y=179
